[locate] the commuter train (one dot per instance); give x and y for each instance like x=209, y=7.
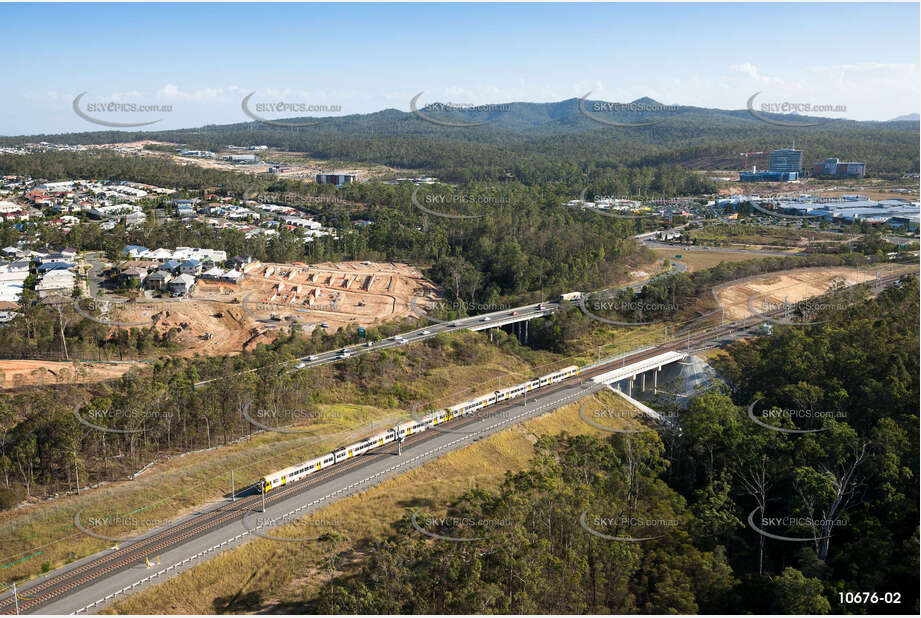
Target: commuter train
x=401, y=431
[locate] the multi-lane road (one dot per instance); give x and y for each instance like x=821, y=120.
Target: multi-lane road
x=100, y=577
x=96, y=580
x=479, y=322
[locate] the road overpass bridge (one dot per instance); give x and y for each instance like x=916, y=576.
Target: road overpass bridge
x=628, y=374
x=508, y=318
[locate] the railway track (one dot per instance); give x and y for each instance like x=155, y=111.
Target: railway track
x=44, y=591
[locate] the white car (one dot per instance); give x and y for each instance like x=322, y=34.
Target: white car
x=312, y=357
x=344, y=354
x=426, y=332
x=300, y=365
x=369, y=344
x=485, y=319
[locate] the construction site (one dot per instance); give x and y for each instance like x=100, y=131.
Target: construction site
x=223, y=318
x=742, y=299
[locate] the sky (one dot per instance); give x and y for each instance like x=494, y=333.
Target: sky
x=195, y=63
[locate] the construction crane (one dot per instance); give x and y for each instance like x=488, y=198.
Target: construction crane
x=745, y=154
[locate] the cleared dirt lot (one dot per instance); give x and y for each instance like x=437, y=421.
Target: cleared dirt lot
x=224, y=318
x=297, y=166
x=789, y=287
x=701, y=260
x=15, y=373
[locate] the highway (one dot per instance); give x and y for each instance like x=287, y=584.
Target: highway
x=479, y=322
x=183, y=543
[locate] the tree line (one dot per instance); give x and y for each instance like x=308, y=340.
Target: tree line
x=841, y=498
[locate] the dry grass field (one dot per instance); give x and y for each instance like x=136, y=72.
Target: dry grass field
x=179, y=484
x=701, y=260
x=268, y=576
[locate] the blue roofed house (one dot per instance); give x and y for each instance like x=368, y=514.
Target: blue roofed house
x=55, y=265
x=134, y=251
x=190, y=267
x=171, y=266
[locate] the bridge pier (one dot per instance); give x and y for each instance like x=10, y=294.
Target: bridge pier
x=642, y=382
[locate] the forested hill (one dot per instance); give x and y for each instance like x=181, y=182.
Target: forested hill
x=837, y=490
x=545, y=141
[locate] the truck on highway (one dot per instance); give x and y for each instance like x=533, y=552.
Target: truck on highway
x=570, y=296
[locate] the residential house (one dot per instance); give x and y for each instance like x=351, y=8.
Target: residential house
x=239, y=261
x=170, y=266
x=133, y=251
x=190, y=267
x=212, y=273
x=158, y=280
x=232, y=276
x=56, y=282
x=134, y=274
x=181, y=285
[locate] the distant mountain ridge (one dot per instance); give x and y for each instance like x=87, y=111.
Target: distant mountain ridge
x=525, y=119
x=544, y=140
x=907, y=118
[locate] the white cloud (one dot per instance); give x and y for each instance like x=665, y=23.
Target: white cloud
x=120, y=96
x=171, y=91
x=747, y=68
x=867, y=66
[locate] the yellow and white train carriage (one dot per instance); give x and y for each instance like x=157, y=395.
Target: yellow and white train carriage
x=408, y=428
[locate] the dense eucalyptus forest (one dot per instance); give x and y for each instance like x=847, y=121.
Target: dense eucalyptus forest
x=847, y=494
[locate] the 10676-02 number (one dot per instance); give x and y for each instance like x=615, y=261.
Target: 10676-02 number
x=870, y=597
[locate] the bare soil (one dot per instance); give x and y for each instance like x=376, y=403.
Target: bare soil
x=788, y=287
x=16, y=373
x=225, y=318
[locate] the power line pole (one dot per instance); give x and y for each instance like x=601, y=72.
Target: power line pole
x=233, y=493
x=16, y=598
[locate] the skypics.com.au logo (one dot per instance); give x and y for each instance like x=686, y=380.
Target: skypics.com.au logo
x=97, y=310
x=285, y=107
x=637, y=108
x=488, y=412
x=597, y=418
x=783, y=312
x=434, y=204
x=104, y=113
x=787, y=108
x=456, y=529
x=460, y=306
x=91, y=417
x=592, y=306
x=614, y=207
x=792, y=416
x=320, y=528
x=627, y=528
x=762, y=524
x=106, y=526
x=287, y=418
x=449, y=114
